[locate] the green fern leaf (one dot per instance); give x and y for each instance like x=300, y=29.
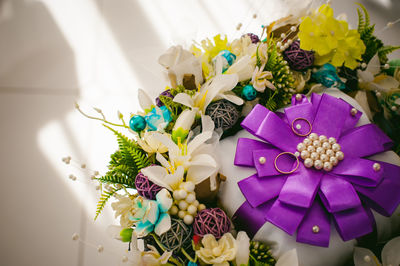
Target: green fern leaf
x=364, y=18
x=105, y=196
x=384, y=51
x=139, y=158
x=361, y=21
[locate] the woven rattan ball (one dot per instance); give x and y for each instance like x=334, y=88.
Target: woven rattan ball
x=179, y=236
x=298, y=58
x=212, y=221
x=223, y=113
x=145, y=187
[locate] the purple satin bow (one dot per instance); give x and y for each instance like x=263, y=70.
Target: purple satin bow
x=306, y=200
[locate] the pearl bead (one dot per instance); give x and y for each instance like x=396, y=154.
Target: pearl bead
x=100, y=248
x=328, y=166
x=298, y=97
x=301, y=147
x=311, y=148
x=189, y=186
x=298, y=126
x=324, y=157
x=174, y=210
x=313, y=136
x=336, y=147
x=183, y=205
x=317, y=143
x=333, y=160
x=297, y=154
x=307, y=141
x=196, y=203
x=293, y=28
x=176, y=195
x=367, y=258
x=188, y=219
x=201, y=207
x=340, y=155
x=125, y=259
x=376, y=167
x=304, y=155
x=289, y=41
x=386, y=66
x=182, y=193
x=363, y=65
x=394, y=108
x=320, y=150
x=191, y=197
x=353, y=111
x=262, y=160
x=315, y=229
x=330, y=152
x=192, y=209
x=318, y=164
x=326, y=145
x=181, y=214
x=378, y=94
x=332, y=140
x=308, y=162
x=314, y=156
x=323, y=138
x=283, y=35
x=75, y=236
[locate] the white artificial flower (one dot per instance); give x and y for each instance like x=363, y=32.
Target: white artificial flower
x=216, y=88
x=243, y=46
x=145, y=101
x=243, y=248
x=390, y=255
x=243, y=67
x=260, y=79
x=217, y=252
x=179, y=62
x=150, y=144
x=124, y=208
x=370, y=79
x=183, y=124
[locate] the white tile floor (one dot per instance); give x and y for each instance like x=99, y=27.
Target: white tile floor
x=55, y=52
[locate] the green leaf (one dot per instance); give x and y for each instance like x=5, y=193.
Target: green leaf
x=105, y=196
x=384, y=51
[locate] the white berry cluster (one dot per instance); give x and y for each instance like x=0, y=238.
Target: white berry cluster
x=185, y=203
x=320, y=152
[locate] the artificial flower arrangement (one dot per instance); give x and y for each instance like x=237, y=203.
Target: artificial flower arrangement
x=310, y=165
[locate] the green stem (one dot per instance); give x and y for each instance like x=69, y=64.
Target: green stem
x=100, y=119
x=187, y=255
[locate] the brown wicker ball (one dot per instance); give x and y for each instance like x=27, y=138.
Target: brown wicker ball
x=212, y=221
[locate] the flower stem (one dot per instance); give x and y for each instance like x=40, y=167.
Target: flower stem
x=103, y=119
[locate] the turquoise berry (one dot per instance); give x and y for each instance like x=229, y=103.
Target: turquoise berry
x=249, y=93
x=137, y=123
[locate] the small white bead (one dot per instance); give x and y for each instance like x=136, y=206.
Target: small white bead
x=320, y=150
x=367, y=258
x=201, y=207
x=289, y=41
x=339, y=155
x=183, y=205
x=332, y=140
x=304, y=155
x=394, y=108
x=386, y=66
x=196, y=203
x=174, y=210
x=378, y=94
x=363, y=65
x=176, y=195
x=282, y=48
x=100, y=248
x=323, y=138
x=283, y=35
x=353, y=111
x=326, y=145
x=181, y=214
x=254, y=15
x=124, y=259
x=189, y=186
x=298, y=126
x=318, y=164
x=315, y=229
x=262, y=160
x=182, y=193
x=336, y=147
x=311, y=148
x=308, y=162
x=307, y=141
x=376, y=167
x=192, y=209
x=330, y=152
x=389, y=24
x=299, y=97
x=314, y=156
x=293, y=28
x=297, y=154
x=313, y=136
x=324, y=157
x=301, y=147
x=328, y=166
x=317, y=143
x=286, y=45
x=188, y=219
x=278, y=44
x=98, y=187
x=191, y=197
x=75, y=236
x=333, y=160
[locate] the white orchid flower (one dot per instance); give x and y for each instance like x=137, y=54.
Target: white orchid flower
x=370, y=79
x=191, y=157
x=260, y=79
x=183, y=124
x=145, y=101
x=150, y=144
x=390, y=255
x=216, y=88
x=243, y=251
x=179, y=62
x=243, y=67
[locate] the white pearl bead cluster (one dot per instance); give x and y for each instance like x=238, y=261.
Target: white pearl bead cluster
x=320, y=152
x=185, y=203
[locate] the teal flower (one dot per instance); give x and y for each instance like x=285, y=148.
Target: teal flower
x=158, y=118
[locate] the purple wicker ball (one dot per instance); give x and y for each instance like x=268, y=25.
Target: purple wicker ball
x=164, y=93
x=297, y=58
x=212, y=221
x=254, y=38
x=145, y=187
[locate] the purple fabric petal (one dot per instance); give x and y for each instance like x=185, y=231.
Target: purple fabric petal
x=337, y=194
x=259, y=190
x=303, y=100
x=329, y=116
x=358, y=171
x=251, y=219
x=244, y=151
x=316, y=216
x=301, y=187
x=351, y=120
x=385, y=197
x=304, y=111
x=285, y=163
x=286, y=217
x=273, y=130
x=254, y=119
x=352, y=223
x=365, y=141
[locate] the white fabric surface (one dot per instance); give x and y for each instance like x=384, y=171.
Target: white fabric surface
x=338, y=251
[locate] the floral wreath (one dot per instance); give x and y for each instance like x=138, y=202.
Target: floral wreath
x=164, y=177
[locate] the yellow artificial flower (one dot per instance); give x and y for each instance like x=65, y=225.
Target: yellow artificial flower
x=330, y=39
